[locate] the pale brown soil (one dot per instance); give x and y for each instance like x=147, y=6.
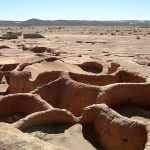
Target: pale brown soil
x=73, y=68
x=134, y=112
x=68, y=136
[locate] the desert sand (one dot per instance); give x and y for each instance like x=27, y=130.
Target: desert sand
x=75, y=88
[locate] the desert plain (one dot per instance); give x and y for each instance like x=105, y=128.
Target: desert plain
x=74, y=88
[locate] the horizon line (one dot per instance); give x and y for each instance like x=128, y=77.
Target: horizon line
x=76, y=20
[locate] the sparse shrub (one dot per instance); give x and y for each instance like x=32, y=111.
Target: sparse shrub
x=24, y=48
x=79, y=41
x=38, y=49
x=138, y=37
x=4, y=46
x=112, y=33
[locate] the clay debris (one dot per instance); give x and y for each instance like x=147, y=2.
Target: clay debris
x=32, y=35
x=11, y=35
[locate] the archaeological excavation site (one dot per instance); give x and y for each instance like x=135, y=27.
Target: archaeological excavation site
x=63, y=89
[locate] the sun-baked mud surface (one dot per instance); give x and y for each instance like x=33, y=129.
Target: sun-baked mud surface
x=75, y=88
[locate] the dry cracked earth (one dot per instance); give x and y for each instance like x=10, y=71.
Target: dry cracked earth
x=75, y=88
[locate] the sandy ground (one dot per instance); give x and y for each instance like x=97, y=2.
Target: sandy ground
x=75, y=46
x=67, y=136
x=134, y=112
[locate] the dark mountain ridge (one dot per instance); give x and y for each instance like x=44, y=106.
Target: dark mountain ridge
x=37, y=22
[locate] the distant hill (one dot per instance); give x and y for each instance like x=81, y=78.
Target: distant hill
x=37, y=22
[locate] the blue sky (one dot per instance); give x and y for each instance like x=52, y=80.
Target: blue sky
x=75, y=9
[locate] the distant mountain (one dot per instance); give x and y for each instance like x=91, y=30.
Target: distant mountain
x=37, y=22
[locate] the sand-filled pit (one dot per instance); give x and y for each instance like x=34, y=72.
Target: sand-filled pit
x=56, y=65
x=12, y=117
x=69, y=136
x=134, y=112
x=92, y=67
